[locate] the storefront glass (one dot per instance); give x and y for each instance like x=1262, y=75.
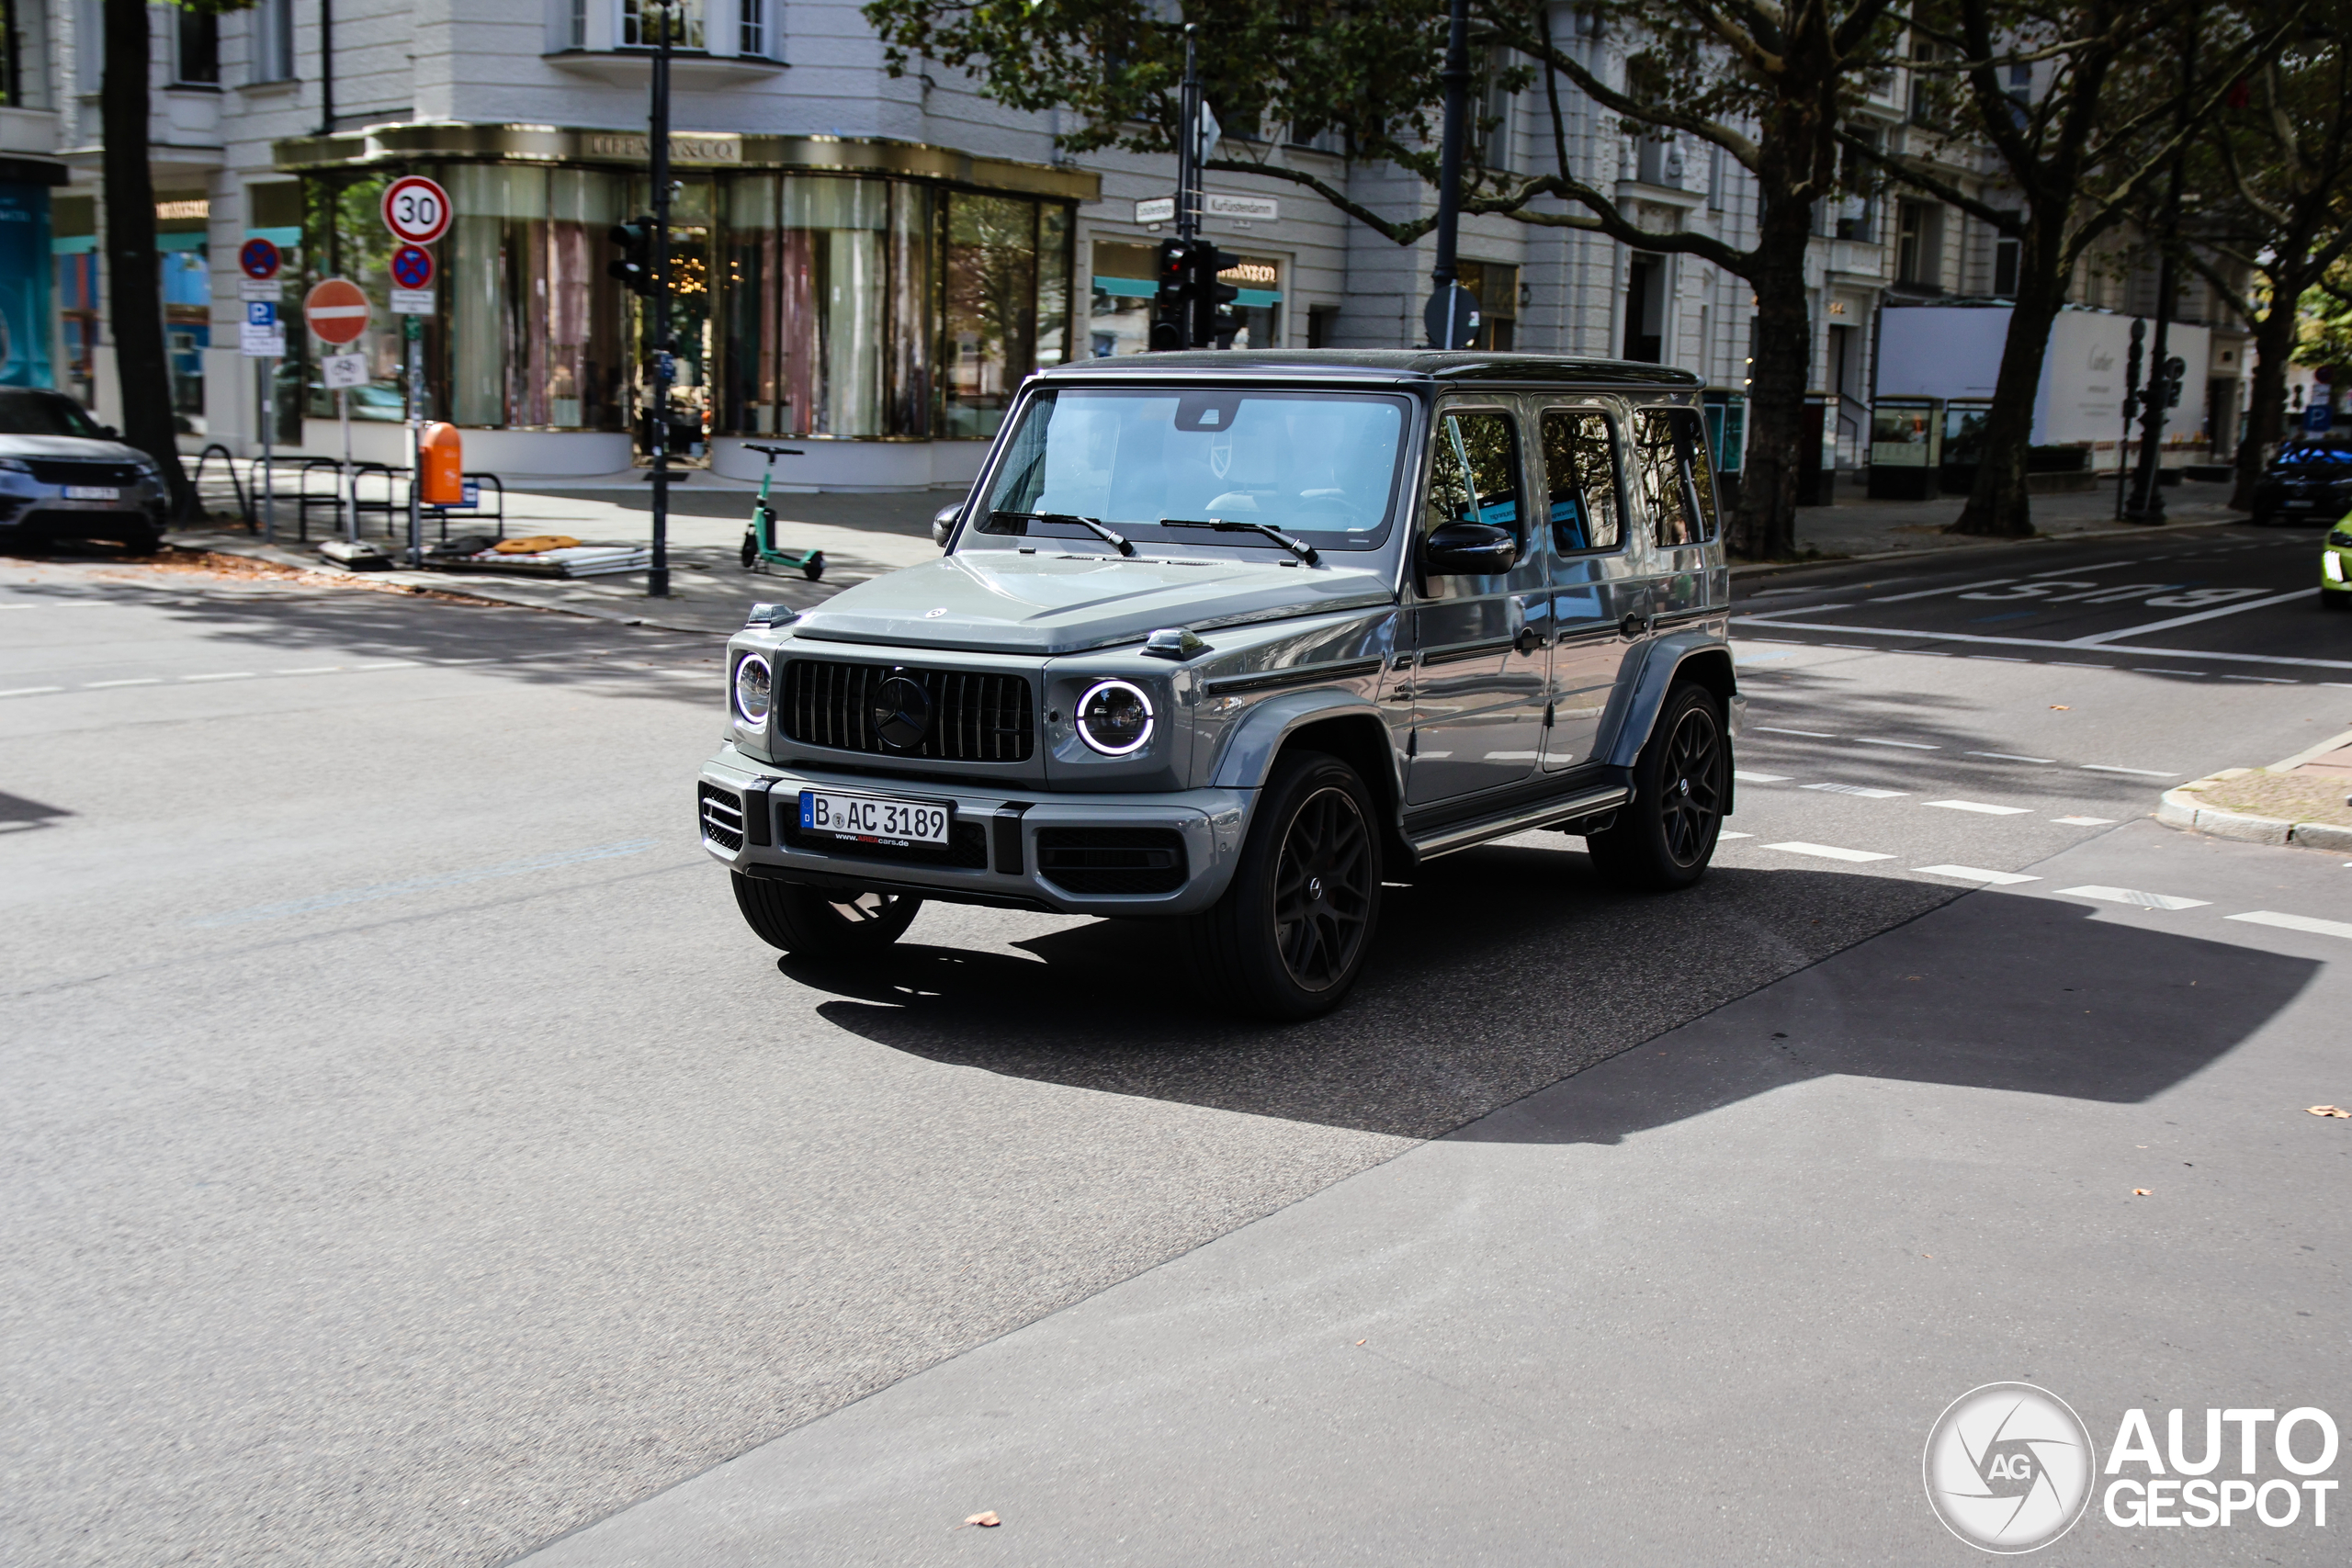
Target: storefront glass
x=988, y=339
x=24, y=284
x=535, y=324
x=343, y=236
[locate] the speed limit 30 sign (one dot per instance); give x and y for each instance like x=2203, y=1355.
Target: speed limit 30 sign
x=416, y=209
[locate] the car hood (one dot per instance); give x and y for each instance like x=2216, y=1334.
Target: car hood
x=1004, y=602
x=81, y=446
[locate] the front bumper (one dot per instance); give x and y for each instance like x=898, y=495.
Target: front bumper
x=1034, y=851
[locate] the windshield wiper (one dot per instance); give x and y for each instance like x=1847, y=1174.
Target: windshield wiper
x=1100, y=529
x=1298, y=548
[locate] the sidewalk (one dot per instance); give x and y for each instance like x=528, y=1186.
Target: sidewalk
x=865, y=534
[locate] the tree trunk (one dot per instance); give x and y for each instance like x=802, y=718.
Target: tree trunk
x=2266, y=415
x=134, y=278
x=1999, y=506
x=1765, y=526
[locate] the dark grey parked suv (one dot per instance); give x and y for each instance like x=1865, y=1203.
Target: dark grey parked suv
x=1234, y=638
x=64, y=476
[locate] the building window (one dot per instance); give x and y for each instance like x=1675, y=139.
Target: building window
x=195, y=48
x=1718, y=168
x=751, y=30
x=1645, y=308
x=641, y=23
x=576, y=25
x=2005, y=252
x=1490, y=127
x=273, y=41
x=1919, y=246
x=1496, y=286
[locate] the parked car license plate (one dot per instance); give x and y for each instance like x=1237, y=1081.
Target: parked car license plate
x=871, y=817
x=91, y=492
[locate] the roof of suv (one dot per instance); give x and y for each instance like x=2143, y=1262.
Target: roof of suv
x=1385, y=364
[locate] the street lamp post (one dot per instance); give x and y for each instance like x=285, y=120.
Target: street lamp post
x=664, y=14
x=1448, y=303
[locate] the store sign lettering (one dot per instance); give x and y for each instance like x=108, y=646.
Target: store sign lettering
x=683, y=149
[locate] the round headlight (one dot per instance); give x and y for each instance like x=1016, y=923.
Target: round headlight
x=1115, y=717
x=754, y=680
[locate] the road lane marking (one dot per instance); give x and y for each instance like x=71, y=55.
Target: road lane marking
x=2136, y=773
x=336, y=900
x=2010, y=757
x=1744, y=776
x=2085, y=821
x=1828, y=852
x=2191, y=619
x=2000, y=657
x=31, y=691
x=1978, y=806
x=133, y=680
x=2045, y=642
x=2266, y=680
x=1732, y=835
x=312, y=670
x=2143, y=670
x=225, y=675
x=2294, y=923
x=1809, y=734
x=2076, y=664
x=1976, y=873
x=1866, y=793
x=1906, y=745
x=1931, y=593
x=2136, y=898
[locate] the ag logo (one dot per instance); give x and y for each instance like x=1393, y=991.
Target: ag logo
x=2008, y=1467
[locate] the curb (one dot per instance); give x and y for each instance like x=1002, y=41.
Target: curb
x=1765, y=567
x=2181, y=808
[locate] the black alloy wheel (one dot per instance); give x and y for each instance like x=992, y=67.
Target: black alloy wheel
x=1664, y=838
x=1323, y=889
x=1288, y=938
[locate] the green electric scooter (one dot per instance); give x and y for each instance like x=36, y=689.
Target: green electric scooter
x=760, y=552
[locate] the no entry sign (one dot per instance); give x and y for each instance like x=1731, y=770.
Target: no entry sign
x=260, y=259
x=336, y=310
x=416, y=209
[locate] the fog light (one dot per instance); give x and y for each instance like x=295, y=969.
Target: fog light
x=2331, y=566
x=754, y=680
x=1115, y=717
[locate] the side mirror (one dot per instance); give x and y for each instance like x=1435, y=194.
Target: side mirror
x=1468, y=549
x=110, y=432
x=943, y=523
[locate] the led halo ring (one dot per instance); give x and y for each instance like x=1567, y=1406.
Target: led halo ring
x=752, y=702
x=1150, y=720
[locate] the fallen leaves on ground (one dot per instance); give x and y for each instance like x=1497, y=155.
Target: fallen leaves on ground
x=985, y=1519
x=2059, y=708
x=2142, y=1192
x=2330, y=1111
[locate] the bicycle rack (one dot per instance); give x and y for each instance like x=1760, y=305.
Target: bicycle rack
x=475, y=512
x=308, y=500
x=228, y=462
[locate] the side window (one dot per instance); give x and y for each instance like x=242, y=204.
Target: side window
x=1473, y=473
x=1580, y=471
x=1672, y=456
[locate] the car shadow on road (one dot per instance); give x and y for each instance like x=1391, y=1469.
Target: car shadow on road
x=1508, y=969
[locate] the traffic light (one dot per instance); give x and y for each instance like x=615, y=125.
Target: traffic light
x=1171, y=327
x=634, y=265
x=1211, y=301
x=2174, y=368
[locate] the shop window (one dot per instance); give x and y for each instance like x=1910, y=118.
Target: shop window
x=1497, y=286
x=989, y=337
x=1123, y=288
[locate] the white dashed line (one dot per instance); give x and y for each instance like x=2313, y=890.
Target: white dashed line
x=2085, y=821
x=2266, y=680
x=2010, y=757
x=1808, y=734
x=134, y=681
x=1976, y=874
x=1862, y=790
x=2144, y=670
x=1828, y=851
x=31, y=691
x=1977, y=807
x=2294, y=923
x=2072, y=664
x=2136, y=773
x=1906, y=745
x=312, y=670
x=1731, y=835
x=2136, y=898
x=1998, y=658
x=225, y=675
x=1744, y=776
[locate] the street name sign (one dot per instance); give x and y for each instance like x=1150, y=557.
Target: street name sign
x=1258, y=208
x=1158, y=210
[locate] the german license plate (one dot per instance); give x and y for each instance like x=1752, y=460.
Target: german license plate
x=91, y=492
x=873, y=818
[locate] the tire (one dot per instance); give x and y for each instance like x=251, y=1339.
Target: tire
x=1288, y=938
x=1664, y=840
x=802, y=920
x=814, y=567
x=2330, y=599
x=749, y=554
x=142, y=542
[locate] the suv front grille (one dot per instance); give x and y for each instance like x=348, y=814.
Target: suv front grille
x=76, y=471
x=721, y=812
x=975, y=717
x=1111, y=860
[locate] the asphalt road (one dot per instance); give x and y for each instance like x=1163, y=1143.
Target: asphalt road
x=410, y=1157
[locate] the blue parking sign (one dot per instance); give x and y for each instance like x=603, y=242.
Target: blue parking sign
x=260, y=313
x=2317, y=417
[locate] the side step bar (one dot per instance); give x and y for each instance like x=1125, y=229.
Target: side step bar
x=1559, y=809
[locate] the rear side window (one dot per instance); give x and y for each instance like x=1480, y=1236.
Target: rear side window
x=1670, y=454
x=1580, y=472
x=1473, y=473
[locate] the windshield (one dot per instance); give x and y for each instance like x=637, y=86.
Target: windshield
x=1321, y=466
x=33, y=414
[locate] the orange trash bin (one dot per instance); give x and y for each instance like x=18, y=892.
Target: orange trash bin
x=441, y=457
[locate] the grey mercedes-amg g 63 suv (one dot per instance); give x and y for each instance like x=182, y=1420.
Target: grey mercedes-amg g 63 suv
x=1233, y=638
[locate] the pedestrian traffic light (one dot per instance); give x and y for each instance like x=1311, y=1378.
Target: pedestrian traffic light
x=634, y=265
